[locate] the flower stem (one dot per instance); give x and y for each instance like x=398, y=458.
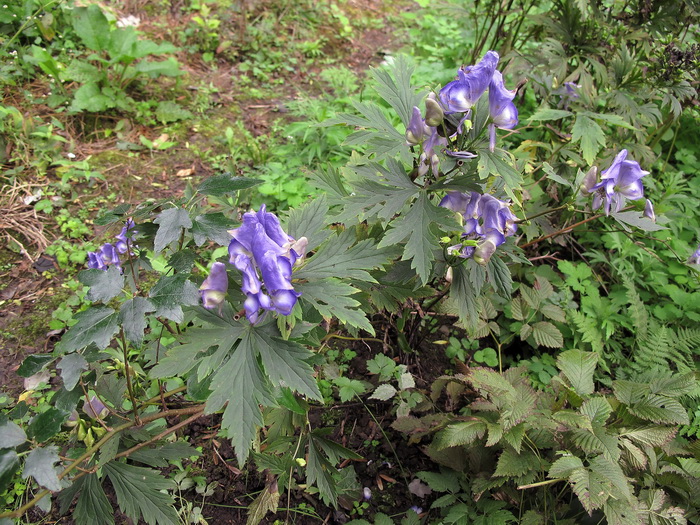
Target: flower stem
x=127, y=372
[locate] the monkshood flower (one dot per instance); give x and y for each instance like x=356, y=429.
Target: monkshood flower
x=215, y=286
x=620, y=182
x=568, y=93
x=95, y=408
x=695, y=258
x=503, y=112
x=487, y=220
x=461, y=94
x=260, y=248
x=108, y=253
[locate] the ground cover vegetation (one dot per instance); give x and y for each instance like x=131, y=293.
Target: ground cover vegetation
x=273, y=285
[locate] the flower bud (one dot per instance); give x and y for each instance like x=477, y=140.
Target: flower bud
x=589, y=180
x=649, y=211
x=434, y=115
x=483, y=252
x=95, y=408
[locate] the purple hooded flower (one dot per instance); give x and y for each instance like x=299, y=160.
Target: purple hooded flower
x=621, y=181
x=123, y=240
x=487, y=220
x=95, y=408
x=417, y=130
x=261, y=248
x=108, y=254
x=503, y=112
x=460, y=95
x=649, y=211
x=695, y=258
x=215, y=286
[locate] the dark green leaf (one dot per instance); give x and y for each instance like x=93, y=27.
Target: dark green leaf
x=499, y=276
x=95, y=325
x=211, y=226
x=463, y=295
x=71, y=367
x=171, y=222
x=40, y=464
x=46, y=425
x=169, y=111
x=546, y=334
x=171, y=293
x=132, y=316
x=394, y=85
x=222, y=184
x=240, y=383
x=106, y=217
x=579, y=367
x=182, y=261
x=333, y=298
x=162, y=456
x=138, y=493
x=285, y=363
x=308, y=221
x=9, y=465
x=104, y=284
x=591, y=136
x=93, y=507
x=33, y=364
x=111, y=388
x=11, y=434
x=500, y=164
x=67, y=400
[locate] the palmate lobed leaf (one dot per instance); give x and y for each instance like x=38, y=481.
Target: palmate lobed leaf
x=40, y=465
x=97, y=324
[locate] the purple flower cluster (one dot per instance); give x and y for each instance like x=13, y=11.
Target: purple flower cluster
x=424, y=132
x=265, y=255
x=108, y=254
x=461, y=94
x=620, y=182
x=487, y=220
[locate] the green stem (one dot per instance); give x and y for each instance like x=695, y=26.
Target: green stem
x=562, y=207
x=127, y=372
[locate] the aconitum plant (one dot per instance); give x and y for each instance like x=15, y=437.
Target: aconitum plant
x=108, y=253
x=620, y=182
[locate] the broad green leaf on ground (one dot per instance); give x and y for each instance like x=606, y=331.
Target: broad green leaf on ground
x=46, y=425
x=9, y=465
x=285, y=362
x=333, y=298
x=93, y=507
x=212, y=226
x=132, y=316
x=169, y=111
x=241, y=385
x=91, y=25
x=220, y=185
x=578, y=367
x=40, y=465
x=11, y=434
x=309, y=221
x=383, y=392
x=590, y=135
x=171, y=293
x=170, y=225
x=89, y=97
x=267, y=501
x=337, y=257
x=104, y=284
x=33, y=364
x=138, y=491
x=419, y=225
x=97, y=325
x=71, y=367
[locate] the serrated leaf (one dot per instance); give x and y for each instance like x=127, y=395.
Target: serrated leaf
x=513, y=464
x=211, y=226
x=163, y=455
x=333, y=298
x=71, y=367
x=394, y=86
x=340, y=257
x=543, y=114
x=463, y=294
x=660, y=409
x=579, y=367
x=104, y=284
x=138, y=493
x=590, y=135
x=285, y=362
x=9, y=465
x=499, y=163
x=319, y=472
x=499, y=276
x=564, y=466
x=462, y=433
x=40, y=465
x=240, y=383
x=93, y=507
x=46, y=425
x=97, y=325
x=11, y=434
x=309, y=221
x=171, y=223
x=546, y=334
x=592, y=492
x=383, y=392
x=418, y=225
x=553, y=312
x=171, y=293
x=220, y=185
x=132, y=316
x=655, y=436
